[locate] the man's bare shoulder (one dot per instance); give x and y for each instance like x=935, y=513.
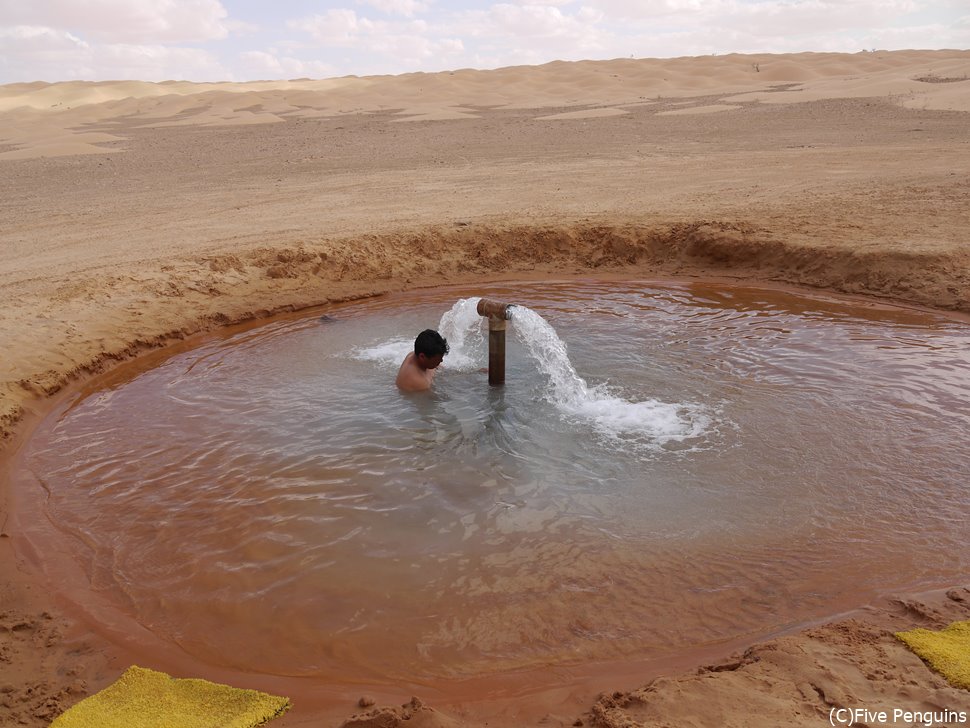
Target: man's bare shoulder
x=410, y=378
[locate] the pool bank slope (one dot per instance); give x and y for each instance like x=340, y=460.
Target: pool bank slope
x=843, y=172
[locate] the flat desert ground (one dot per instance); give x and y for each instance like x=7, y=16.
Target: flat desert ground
x=134, y=215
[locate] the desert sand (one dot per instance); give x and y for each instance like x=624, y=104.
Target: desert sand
x=135, y=215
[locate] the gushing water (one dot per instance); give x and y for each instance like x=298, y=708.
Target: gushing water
x=649, y=423
x=460, y=325
x=609, y=414
x=465, y=331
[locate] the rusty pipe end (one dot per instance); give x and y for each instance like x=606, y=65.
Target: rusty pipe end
x=494, y=309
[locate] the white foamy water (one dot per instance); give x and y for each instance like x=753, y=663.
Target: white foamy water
x=461, y=326
x=609, y=414
x=650, y=422
x=465, y=331
x=389, y=353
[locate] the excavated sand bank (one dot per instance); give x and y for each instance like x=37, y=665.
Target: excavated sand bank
x=135, y=214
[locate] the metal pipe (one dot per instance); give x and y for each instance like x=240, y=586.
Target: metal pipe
x=498, y=314
x=492, y=308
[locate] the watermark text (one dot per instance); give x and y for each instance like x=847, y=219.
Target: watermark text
x=897, y=716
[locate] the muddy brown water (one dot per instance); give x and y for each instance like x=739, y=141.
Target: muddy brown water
x=741, y=462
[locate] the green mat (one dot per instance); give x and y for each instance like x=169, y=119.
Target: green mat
x=144, y=698
x=946, y=651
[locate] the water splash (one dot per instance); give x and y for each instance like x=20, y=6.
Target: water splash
x=388, y=353
x=660, y=422
x=650, y=422
x=461, y=326
x=465, y=331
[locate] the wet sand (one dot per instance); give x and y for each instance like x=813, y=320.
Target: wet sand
x=136, y=215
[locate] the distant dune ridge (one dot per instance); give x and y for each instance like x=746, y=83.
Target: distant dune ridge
x=41, y=119
x=135, y=215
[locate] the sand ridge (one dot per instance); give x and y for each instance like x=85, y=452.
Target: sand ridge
x=848, y=663
x=50, y=119
x=146, y=213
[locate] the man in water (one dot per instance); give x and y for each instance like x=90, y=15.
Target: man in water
x=417, y=371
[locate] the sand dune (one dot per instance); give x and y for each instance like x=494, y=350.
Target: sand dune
x=33, y=113
x=943, y=84
x=135, y=215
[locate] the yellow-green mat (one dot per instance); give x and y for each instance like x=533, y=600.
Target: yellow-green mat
x=947, y=651
x=144, y=698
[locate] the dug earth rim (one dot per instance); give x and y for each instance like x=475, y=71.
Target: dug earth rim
x=186, y=296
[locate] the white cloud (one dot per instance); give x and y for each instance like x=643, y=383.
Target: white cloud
x=507, y=34
x=915, y=37
x=542, y=21
x=339, y=26
x=557, y=3
x=37, y=39
x=398, y=45
x=240, y=27
x=753, y=39
x=693, y=27
x=407, y=8
x=761, y=16
x=58, y=39
x=123, y=21
x=813, y=16
x=263, y=65
x=32, y=53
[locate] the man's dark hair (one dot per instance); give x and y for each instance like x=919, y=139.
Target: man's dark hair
x=431, y=344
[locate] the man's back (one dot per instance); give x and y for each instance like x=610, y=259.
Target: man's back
x=412, y=378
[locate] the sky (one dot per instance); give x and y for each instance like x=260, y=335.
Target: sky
x=242, y=40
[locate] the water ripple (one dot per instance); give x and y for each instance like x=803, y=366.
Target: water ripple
x=667, y=466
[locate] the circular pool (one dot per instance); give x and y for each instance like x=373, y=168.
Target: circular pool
x=668, y=466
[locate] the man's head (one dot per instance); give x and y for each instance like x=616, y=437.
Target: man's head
x=429, y=349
